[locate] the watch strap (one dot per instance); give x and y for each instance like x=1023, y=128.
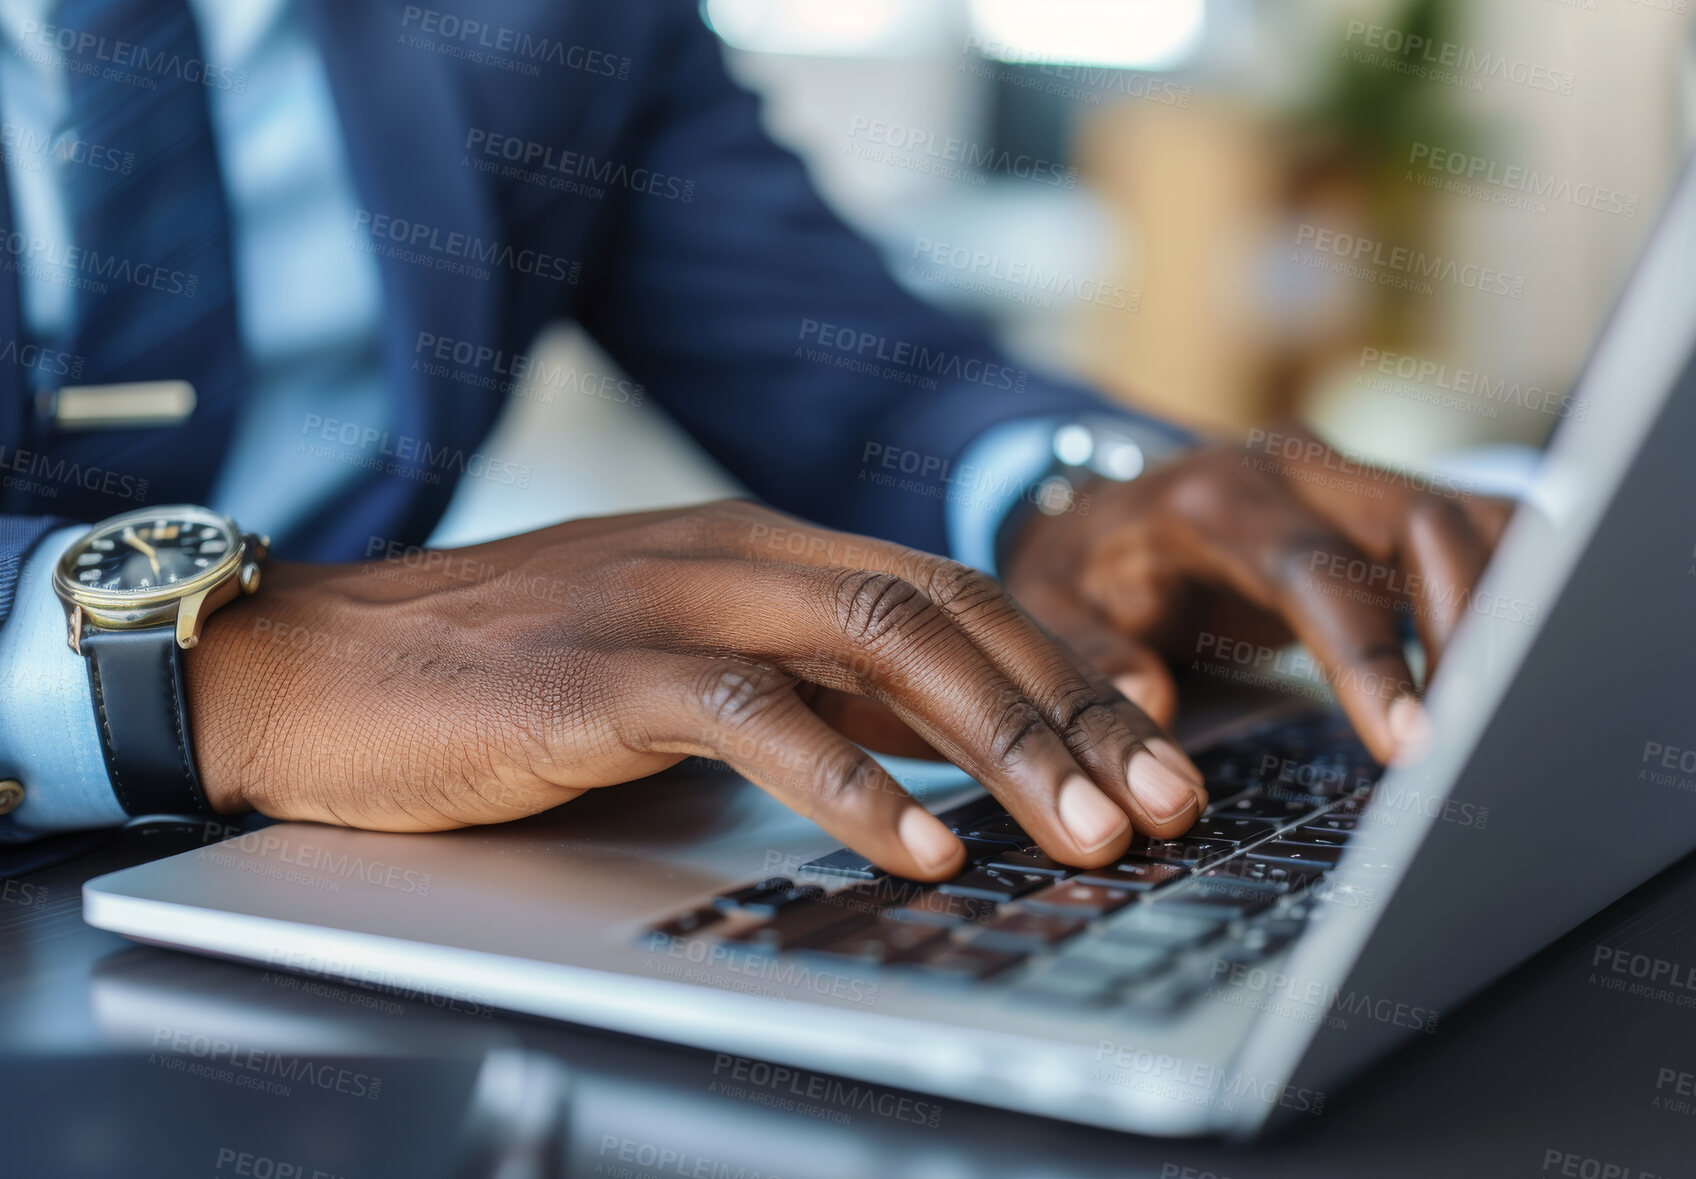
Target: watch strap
x=137, y=680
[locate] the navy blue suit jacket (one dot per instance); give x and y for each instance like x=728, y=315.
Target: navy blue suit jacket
x=730, y=307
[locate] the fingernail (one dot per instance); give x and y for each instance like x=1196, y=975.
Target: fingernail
x=1166, y=793
x=1175, y=759
x=1134, y=685
x=1410, y=727
x=926, y=839
x=1089, y=815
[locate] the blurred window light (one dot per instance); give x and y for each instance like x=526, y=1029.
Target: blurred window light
x=1121, y=34
x=829, y=28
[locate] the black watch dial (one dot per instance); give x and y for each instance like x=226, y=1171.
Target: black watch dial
x=146, y=552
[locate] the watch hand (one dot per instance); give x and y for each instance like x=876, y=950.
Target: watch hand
x=135, y=542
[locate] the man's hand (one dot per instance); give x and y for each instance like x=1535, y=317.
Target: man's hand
x=486, y=683
x=1281, y=538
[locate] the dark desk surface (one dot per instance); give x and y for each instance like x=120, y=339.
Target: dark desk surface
x=1548, y=1069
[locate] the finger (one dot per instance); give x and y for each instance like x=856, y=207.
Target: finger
x=751, y=718
x=1445, y=557
x=874, y=634
x=1298, y=567
x=1125, y=753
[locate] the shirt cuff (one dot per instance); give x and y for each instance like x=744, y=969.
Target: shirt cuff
x=48, y=738
x=996, y=471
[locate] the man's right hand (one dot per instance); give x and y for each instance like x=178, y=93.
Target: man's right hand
x=481, y=684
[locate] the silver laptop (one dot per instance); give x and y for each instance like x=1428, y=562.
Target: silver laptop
x=1321, y=913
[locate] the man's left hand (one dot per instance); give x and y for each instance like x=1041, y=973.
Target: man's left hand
x=1279, y=539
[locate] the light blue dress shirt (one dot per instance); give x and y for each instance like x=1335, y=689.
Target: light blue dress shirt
x=309, y=311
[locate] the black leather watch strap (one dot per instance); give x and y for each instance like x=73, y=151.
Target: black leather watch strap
x=137, y=677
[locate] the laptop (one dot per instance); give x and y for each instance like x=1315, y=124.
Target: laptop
x=1324, y=911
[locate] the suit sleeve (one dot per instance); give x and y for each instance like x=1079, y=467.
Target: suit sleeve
x=773, y=332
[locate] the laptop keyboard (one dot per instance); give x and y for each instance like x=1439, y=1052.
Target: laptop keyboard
x=1144, y=935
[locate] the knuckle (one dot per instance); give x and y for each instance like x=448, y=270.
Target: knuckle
x=841, y=775
x=871, y=606
x=960, y=588
x=1012, y=726
x=1079, y=708
x=733, y=696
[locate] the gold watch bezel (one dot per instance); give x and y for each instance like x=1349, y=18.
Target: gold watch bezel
x=187, y=603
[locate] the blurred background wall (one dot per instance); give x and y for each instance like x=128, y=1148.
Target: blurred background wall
x=1401, y=221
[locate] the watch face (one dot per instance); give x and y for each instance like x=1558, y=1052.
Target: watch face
x=146, y=552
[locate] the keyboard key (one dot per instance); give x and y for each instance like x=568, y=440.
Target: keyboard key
x=1261, y=806
x=1288, y=851
x=1153, y=925
x=1317, y=835
x=1074, y=898
x=1030, y=859
x=1134, y=875
x=936, y=908
x=1123, y=962
x=1026, y=932
x=1232, y=829
x=843, y=862
x=1227, y=899
x=1066, y=988
x=1000, y=829
x=882, y=942
x=1182, y=850
x=873, y=896
x=685, y=925
x=967, y=813
x=964, y=963
x=1332, y=821
x=765, y=898
x=991, y=885
x=800, y=923
x=1164, y=997
x=1273, y=876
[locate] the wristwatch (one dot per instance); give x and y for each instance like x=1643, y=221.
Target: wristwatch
x=1113, y=449
x=137, y=589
